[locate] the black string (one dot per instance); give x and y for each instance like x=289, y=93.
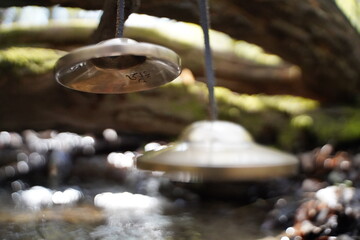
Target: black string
x=120, y=18
x=209, y=69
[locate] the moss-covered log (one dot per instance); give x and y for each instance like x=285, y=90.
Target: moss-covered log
x=53, y=35
x=260, y=73
x=36, y=101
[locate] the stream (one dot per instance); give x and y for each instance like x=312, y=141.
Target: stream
x=67, y=186
x=143, y=217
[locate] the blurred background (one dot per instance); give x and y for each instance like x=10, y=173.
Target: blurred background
x=286, y=70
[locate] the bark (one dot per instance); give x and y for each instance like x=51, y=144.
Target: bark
x=38, y=107
x=313, y=34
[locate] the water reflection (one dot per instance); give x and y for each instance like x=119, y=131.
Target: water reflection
x=64, y=141
x=154, y=146
x=17, y=185
x=146, y=227
x=39, y=197
x=10, y=139
x=69, y=196
x=127, y=201
x=121, y=160
x=23, y=167
x=9, y=171
x=110, y=135
x=114, y=201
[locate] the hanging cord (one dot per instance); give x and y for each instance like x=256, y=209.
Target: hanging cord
x=120, y=18
x=209, y=69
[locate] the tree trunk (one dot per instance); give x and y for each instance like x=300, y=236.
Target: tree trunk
x=313, y=34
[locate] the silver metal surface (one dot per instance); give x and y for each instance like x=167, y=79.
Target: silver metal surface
x=218, y=151
x=118, y=65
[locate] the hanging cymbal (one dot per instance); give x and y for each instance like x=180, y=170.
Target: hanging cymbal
x=118, y=65
x=218, y=151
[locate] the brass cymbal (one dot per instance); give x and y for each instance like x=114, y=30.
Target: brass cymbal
x=218, y=151
x=118, y=65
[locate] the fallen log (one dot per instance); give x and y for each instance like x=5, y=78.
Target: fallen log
x=33, y=100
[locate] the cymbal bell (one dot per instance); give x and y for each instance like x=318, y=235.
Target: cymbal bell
x=218, y=151
x=118, y=65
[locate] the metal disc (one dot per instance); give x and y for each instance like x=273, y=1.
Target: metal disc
x=117, y=65
x=218, y=151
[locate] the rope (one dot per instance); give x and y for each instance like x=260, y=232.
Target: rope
x=209, y=69
x=120, y=18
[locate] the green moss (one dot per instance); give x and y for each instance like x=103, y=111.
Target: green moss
x=26, y=60
x=175, y=99
x=294, y=120
x=256, y=54
x=192, y=100
x=226, y=97
x=72, y=32
x=337, y=125
x=259, y=102
x=302, y=121
x=259, y=114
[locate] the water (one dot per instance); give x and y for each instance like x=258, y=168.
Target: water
x=162, y=219
x=58, y=189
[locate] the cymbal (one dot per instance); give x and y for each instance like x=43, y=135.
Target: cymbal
x=118, y=65
x=218, y=151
